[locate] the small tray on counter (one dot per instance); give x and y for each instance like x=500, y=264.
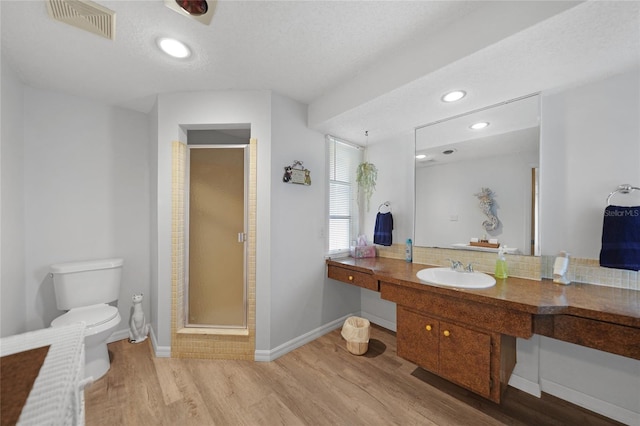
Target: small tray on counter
x=484, y=244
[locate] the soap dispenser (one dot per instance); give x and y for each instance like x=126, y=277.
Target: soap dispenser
x=501, y=263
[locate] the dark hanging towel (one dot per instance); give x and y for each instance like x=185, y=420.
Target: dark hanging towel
x=621, y=238
x=382, y=231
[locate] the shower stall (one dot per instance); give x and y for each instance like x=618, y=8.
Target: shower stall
x=216, y=229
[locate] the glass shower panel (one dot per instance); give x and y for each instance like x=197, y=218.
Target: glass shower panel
x=216, y=253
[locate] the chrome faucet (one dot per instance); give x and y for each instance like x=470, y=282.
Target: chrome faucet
x=456, y=265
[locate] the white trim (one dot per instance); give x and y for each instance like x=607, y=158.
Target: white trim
x=351, y=144
x=525, y=385
x=590, y=403
x=389, y=325
x=275, y=353
x=159, y=351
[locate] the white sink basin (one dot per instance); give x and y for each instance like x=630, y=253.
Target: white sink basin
x=450, y=278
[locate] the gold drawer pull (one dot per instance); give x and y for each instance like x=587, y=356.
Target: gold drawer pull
x=428, y=328
x=350, y=277
x=446, y=333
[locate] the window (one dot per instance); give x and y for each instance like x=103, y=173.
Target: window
x=343, y=159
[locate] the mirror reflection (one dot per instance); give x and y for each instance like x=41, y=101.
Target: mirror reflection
x=476, y=185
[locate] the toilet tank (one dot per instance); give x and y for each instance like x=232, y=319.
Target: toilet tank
x=90, y=282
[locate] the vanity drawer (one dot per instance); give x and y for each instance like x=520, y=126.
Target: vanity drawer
x=350, y=276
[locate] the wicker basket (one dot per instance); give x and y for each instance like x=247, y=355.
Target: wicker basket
x=356, y=332
x=357, y=348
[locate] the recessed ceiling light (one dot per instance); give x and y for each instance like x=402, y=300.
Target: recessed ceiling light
x=421, y=156
x=456, y=95
x=173, y=47
x=479, y=125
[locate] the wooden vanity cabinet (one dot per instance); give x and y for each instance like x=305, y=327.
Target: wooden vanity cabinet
x=469, y=343
x=479, y=350
x=452, y=351
x=350, y=276
x=418, y=339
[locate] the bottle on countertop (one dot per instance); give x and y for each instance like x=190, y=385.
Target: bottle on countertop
x=408, y=251
x=501, y=263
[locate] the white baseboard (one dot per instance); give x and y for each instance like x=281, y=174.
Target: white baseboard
x=160, y=351
x=389, y=325
x=275, y=353
x=590, y=403
x=532, y=388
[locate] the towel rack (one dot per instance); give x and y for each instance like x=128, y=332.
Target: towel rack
x=385, y=204
x=623, y=189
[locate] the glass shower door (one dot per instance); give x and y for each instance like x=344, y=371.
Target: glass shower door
x=216, y=245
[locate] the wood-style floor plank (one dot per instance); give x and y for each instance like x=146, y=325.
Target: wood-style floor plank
x=320, y=383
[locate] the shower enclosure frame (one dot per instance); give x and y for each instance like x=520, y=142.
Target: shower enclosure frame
x=242, y=236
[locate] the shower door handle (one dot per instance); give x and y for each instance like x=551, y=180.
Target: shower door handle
x=242, y=237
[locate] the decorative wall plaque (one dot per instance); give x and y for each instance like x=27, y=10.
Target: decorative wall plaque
x=296, y=173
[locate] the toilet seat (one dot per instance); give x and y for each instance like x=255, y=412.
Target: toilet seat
x=92, y=316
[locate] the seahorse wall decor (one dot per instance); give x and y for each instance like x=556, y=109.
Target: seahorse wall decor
x=486, y=205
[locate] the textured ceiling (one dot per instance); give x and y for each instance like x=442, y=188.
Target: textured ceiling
x=311, y=50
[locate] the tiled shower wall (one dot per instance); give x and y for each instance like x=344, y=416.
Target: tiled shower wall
x=206, y=343
x=529, y=267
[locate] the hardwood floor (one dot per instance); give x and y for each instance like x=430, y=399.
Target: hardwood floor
x=320, y=383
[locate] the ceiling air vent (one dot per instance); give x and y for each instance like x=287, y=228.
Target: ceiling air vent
x=85, y=15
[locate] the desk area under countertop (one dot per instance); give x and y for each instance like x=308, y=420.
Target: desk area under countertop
x=557, y=310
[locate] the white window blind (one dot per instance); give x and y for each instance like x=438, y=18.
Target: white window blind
x=343, y=159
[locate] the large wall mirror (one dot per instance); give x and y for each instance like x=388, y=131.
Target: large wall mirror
x=455, y=162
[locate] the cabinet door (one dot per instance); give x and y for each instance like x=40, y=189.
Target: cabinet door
x=417, y=338
x=465, y=357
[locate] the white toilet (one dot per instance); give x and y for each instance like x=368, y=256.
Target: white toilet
x=84, y=289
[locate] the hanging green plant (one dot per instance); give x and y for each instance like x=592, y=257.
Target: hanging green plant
x=366, y=176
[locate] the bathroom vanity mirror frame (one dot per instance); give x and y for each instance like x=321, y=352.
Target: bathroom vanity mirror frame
x=504, y=157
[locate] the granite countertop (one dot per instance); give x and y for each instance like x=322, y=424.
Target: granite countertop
x=610, y=304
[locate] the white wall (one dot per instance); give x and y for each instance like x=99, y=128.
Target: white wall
x=196, y=111
x=292, y=295
x=590, y=144
x=394, y=160
x=12, y=291
x=302, y=298
x=86, y=195
x=602, y=382
x=153, y=225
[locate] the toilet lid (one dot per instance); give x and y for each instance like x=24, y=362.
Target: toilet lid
x=91, y=315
